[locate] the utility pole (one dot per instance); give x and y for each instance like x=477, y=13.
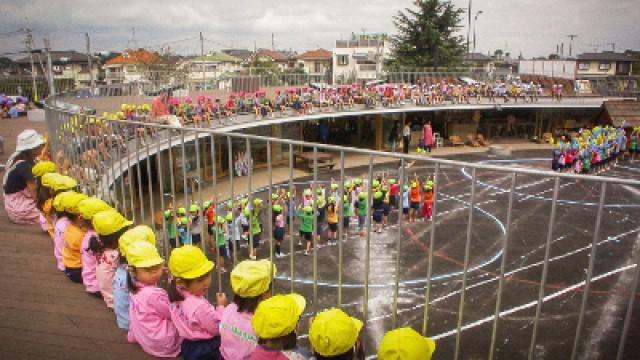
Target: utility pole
x=469, y=28
x=273, y=42
x=92, y=83
x=29, y=43
x=571, y=37
x=561, y=50
x=202, y=64
x=613, y=46
x=47, y=48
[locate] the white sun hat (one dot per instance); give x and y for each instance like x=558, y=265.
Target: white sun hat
x=28, y=139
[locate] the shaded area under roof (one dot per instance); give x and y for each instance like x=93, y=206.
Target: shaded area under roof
x=622, y=113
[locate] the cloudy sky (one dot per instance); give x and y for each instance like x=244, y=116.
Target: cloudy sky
x=532, y=27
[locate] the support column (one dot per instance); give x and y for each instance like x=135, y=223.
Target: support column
x=276, y=149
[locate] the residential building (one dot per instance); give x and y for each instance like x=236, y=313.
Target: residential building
x=604, y=64
x=281, y=60
x=360, y=59
x=135, y=66
x=69, y=64
x=316, y=62
x=480, y=61
x=202, y=71
x=243, y=54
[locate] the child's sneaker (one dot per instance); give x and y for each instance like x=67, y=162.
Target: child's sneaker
x=306, y=253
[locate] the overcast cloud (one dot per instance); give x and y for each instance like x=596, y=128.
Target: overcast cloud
x=532, y=27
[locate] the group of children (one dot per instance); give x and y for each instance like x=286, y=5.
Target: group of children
x=592, y=151
x=119, y=262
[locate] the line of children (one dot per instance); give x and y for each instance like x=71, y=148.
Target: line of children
x=593, y=150
x=120, y=261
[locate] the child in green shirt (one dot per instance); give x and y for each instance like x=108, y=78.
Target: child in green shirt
x=306, y=225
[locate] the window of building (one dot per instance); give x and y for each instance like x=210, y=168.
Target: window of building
x=317, y=67
x=343, y=59
x=583, y=66
x=604, y=66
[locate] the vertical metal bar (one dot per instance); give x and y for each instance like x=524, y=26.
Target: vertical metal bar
x=203, y=232
x=139, y=175
x=630, y=305
x=592, y=260
x=314, y=237
x=545, y=268
x=236, y=245
x=467, y=248
x=250, y=195
x=150, y=183
x=131, y=180
x=503, y=264
x=185, y=191
x=396, y=287
x=174, y=200
x=432, y=241
x=121, y=170
x=214, y=203
x=367, y=253
x=162, y=204
x=340, y=225
x=291, y=219
x=108, y=161
x=270, y=212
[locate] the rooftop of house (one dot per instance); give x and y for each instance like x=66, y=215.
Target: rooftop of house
x=135, y=57
x=478, y=57
x=320, y=54
x=605, y=56
x=274, y=55
x=60, y=57
x=217, y=57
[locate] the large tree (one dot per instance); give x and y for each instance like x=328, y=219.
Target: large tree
x=426, y=35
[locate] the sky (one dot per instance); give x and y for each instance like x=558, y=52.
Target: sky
x=530, y=27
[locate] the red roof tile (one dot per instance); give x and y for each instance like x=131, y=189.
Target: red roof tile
x=135, y=57
x=320, y=54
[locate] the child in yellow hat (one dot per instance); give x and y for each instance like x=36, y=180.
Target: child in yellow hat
x=109, y=225
x=59, y=227
x=150, y=318
x=73, y=236
x=334, y=335
x=251, y=284
x=119, y=284
x=195, y=318
x=42, y=192
x=275, y=322
x=405, y=344
x=88, y=208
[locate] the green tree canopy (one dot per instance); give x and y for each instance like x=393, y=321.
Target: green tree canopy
x=426, y=35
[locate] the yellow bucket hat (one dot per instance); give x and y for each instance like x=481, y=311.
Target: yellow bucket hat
x=63, y=182
x=189, y=262
x=405, y=344
x=43, y=167
x=70, y=202
x=333, y=332
x=108, y=222
x=142, y=254
x=252, y=278
x=49, y=179
x=140, y=233
x=91, y=206
x=57, y=201
x=278, y=316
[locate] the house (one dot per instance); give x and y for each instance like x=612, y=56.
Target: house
x=134, y=66
x=621, y=113
x=316, y=62
x=243, y=54
x=281, y=60
x=360, y=59
x=64, y=65
x=201, y=71
x=480, y=62
x=604, y=64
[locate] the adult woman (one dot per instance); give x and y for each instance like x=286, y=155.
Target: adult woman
x=19, y=185
x=427, y=136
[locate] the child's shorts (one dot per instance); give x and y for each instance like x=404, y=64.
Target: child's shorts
x=222, y=251
x=377, y=216
x=195, y=239
x=345, y=222
x=305, y=235
x=172, y=242
x=392, y=201
x=256, y=240
x=415, y=205
x=333, y=227
x=210, y=228
x=278, y=233
x=201, y=349
x=74, y=275
x=386, y=209
x=405, y=211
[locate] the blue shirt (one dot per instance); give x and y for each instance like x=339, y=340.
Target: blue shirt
x=405, y=200
x=121, y=297
x=185, y=239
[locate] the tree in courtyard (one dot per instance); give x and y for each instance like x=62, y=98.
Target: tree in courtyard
x=426, y=35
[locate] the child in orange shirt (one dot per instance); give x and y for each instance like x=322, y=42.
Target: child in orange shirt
x=414, y=199
x=73, y=236
x=427, y=202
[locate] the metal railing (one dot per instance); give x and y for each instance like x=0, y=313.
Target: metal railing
x=479, y=211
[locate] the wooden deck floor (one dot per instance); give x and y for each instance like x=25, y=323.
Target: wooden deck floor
x=43, y=315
